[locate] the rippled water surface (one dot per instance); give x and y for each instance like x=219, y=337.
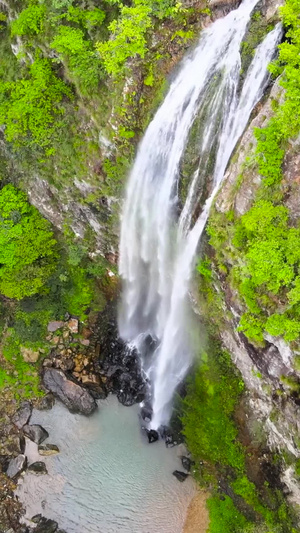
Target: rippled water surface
x=107, y=478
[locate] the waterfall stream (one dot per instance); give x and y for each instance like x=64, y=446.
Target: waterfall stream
x=158, y=247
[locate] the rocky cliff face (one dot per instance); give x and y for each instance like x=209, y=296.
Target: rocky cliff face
x=87, y=198
x=269, y=369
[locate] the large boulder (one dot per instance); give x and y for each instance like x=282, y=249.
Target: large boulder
x=36, y=433
x=76, y=398
x=16, y=466
x=22, y=415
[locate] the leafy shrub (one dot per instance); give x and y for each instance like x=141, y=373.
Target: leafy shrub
x=30, y=21
x=286, y=122
x=128, y=37
x=31, y=108
x=82, y=61
x=27, y=246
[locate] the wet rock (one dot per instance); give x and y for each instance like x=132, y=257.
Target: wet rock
x=36, y=433
x=55, y=325
x=73, y=325
x=29, y=356
x=95, y=386
x=48, y=449
x=38, y=468
x=181, y=476
x=22, y=415
x=45, y=525
x=146, y=413
x=16, y=466
x=168, y=436
x=150, y=345
x=75, y=397
x=152, y=435
x=116, y=362
x=186, y=463
x=46, y=403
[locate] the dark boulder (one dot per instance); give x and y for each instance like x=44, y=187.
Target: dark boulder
x=152, y=435
x=38, y=468
x=48, y=449
x=181, y=476
x=22, y=415
x=16, y=466
x=36, y=433
x=186, y=463
x=76, y=398
x=45, y=525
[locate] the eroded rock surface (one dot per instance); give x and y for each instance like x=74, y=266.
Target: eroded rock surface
x=22, y=415
x=76, y=398
x=16, y=466
x=36, y=433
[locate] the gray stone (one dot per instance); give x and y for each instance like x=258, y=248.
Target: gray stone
x=48, y=449
x=22, y=415
x=75, y=397
x=73, y=325
x=16, y=466
x=36, y=433
x=55, y=325
x=29, y=356
x=38, y=468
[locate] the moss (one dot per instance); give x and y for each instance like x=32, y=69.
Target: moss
x=256, y=31
x=208, y=407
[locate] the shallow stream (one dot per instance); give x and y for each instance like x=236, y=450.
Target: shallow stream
x=106, y=478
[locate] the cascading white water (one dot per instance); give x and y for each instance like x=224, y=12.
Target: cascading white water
x=157, y=250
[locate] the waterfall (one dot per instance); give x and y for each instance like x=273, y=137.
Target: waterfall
x=157, y=246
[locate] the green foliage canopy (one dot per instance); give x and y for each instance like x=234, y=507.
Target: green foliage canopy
x=31, y=108
x=27, y=246
x=128, y=37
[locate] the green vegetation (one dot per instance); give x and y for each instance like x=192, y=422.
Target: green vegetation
x=222, y=463
x=31, y=108
x=256, y=32
x=224, y=516
x=27, y=246
x=209, y=406
x=286, y=122
x=129, y=37
x=262, y=247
